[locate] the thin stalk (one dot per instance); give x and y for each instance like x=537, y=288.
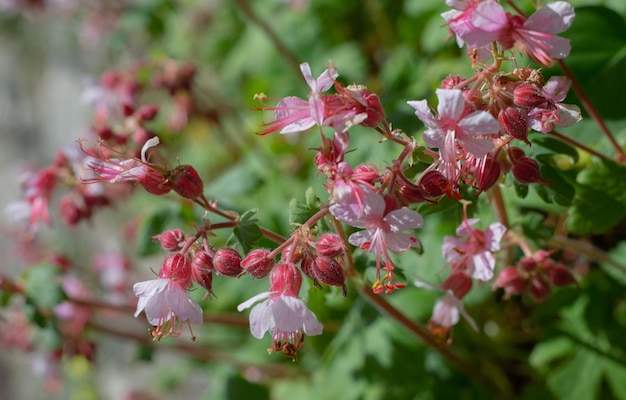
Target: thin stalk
x=578, y=144
x=621, y=156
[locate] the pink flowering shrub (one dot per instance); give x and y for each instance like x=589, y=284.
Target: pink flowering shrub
x=296, y=220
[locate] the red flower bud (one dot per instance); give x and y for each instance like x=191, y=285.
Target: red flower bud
x=147, y=112
x=227, y=261
x=526, y=170
x=561, y=276
x=539, y=289
x=514, y=123
x=286, y=278
x=329, y=245
x=306, y=265
x=154, y=182
x=434, y=184
x=515, y=153
x=528, y=96
x=488, y=174
x=176, y=267
x=328, y=271
x=171, y=239
x=459, y=282
x=186, y=181
x=511, y=281
x=202, y=270
x=258, y=263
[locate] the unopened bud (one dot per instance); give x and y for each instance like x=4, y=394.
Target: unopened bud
x=147, y=112
x=202, y=270
x=561, y=276
x=459, y=283
x=306, y=265
x=258, y=263
x=511, y=281
x=515, y=153
x=171, y=239
x=434, y=184
x=154, y=182
x=286, y=278
x=186, y=181
x=227, y=261
x=487, y=174
x=329, y=271
x=176, y=267
x=329, y=245
x=539, y=289
x=526, y=170
x=514, y=123
x=528, y=96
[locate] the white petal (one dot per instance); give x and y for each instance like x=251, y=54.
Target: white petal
x=181, y=305
x=403, y=219
x=483, y=265
x=261, y=319
x=451, y=103
x=248, y=303
x=147, y=146
x=552, y=18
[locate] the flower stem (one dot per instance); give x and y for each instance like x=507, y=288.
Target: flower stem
x=576, y=143
x=621, y=157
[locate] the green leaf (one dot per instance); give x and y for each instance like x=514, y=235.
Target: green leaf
x=555, y=145
x=151, y=226
x=247, y=231
x=600, y=200
x=300, y=212
x=239, y=388
x=579, y=378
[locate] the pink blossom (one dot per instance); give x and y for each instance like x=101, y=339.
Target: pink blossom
x=473, y=249
x=552, y=113
x=293, y=114
x=165, y=299
x=455, y=131
x=283, y=315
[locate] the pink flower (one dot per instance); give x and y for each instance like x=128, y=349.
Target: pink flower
x=293, y=114
x=473, y=250
x=551, y=113
x=455, y=131
x=384, y=226
x=165, y=299
x=283, y=315
x=480, y=23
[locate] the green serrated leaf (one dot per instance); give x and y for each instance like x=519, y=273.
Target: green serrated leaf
x=600, y=200
x=300, y=212
x=151, y=226
x=247, y=232
x=579, y=378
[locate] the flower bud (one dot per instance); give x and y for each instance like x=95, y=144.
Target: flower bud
x=514, y=123
x=539, y=289
x=186, y=181
x=306, y=265
x=258, y=263
x=526, y=170
x=329, y=245
x=515, y=153
x=488, y=174
x=286, y=278
x=147, y=112
x=511, y=281
x=171, y=239
x=561, y=276
x=528, y=96
x=328, y=271
x=434, y=184
x=459, y=283
x=202, y=270
x=227, y=261
x=451, y=82
x=176, y=267
x=154, y=182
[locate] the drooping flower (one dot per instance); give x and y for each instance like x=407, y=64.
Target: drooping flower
x=552, y=113
x=165, y=299
x=472, y=249
x=283, y=315
x=384, y=227
x=293, y=114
